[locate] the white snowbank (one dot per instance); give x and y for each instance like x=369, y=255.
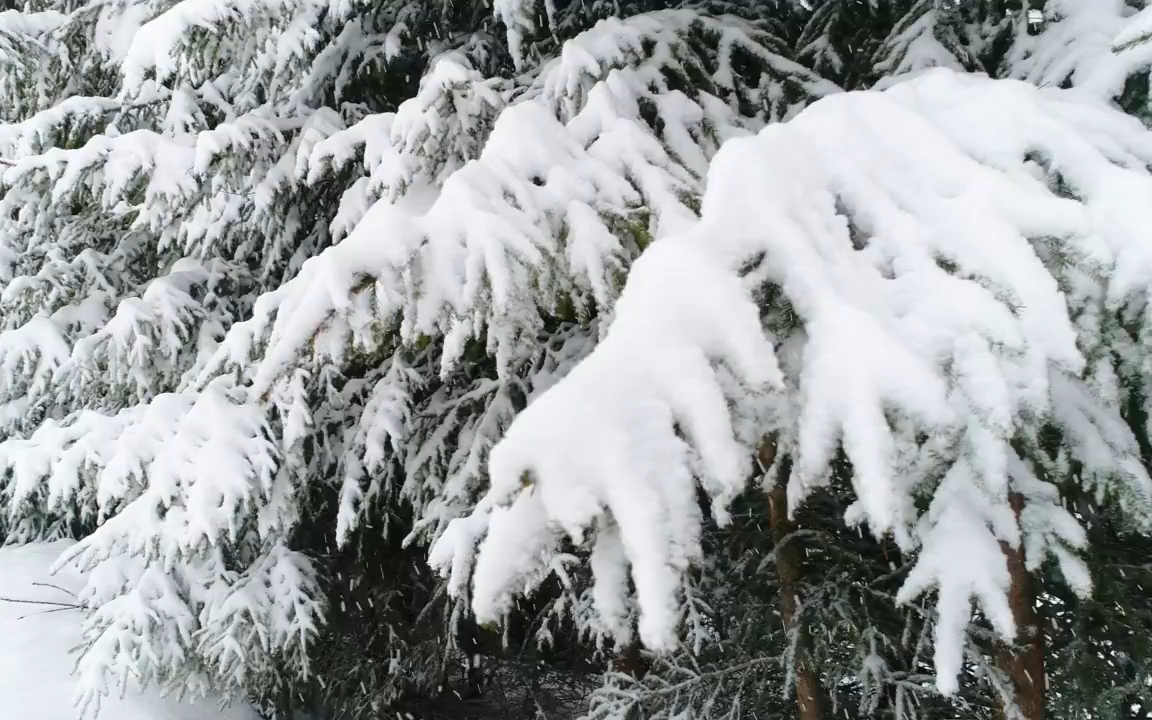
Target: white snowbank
x=36, y=680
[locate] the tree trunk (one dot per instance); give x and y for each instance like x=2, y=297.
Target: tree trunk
x=811, y=703
x=477, y=643
x=1023, y=661
x=631, y=661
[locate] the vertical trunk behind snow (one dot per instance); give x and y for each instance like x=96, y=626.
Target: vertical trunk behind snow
x=810, y=699
x=631, y=661
x=1023, y=661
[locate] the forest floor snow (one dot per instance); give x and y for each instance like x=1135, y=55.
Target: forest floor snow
x=36, y=660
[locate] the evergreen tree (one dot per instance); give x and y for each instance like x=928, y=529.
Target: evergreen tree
x=296, y=294
x=962, y=474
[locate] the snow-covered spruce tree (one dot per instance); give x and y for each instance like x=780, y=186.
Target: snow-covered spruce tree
x=858, y=44
x=1074, y=48
x=970, y=335
x=278, y=277
x=1095, y=46
x=254, y=297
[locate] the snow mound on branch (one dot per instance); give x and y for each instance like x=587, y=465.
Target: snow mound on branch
x=1138, y=30
x=951, y=249
x=36, y=681
x=622, y=412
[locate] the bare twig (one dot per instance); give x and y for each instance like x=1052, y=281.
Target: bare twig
x=39, y=602
x=48, y=612
x=55, y=587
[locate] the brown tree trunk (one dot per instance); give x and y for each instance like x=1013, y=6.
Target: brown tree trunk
x=631, y=661
x=1023, y=661
x=811, y=702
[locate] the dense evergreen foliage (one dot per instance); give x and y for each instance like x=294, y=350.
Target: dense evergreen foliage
x=865, y=434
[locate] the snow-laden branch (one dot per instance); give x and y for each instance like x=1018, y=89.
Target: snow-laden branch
x=1092, y=45
x=487, y=214
x=953, y=248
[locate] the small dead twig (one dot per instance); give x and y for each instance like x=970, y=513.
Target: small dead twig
x=56, y=606
x=38, y=602
x=48, y=612
x=55, y=587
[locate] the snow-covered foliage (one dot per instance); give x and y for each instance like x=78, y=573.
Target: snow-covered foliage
x=287, y=287
x=188, y=353
x=926, y=37
x=948, y=312
x=1076, y=48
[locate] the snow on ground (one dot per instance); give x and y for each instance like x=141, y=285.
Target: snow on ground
x=35, y=661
